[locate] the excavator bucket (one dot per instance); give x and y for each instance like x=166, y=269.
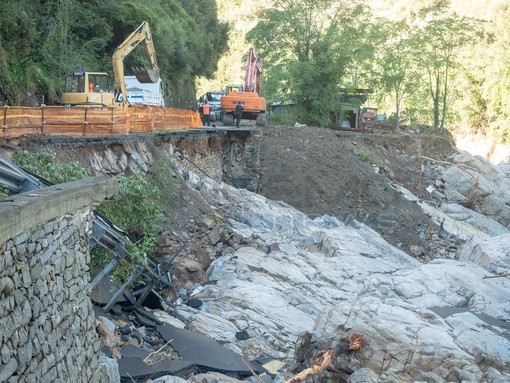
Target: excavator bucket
x=147, y=75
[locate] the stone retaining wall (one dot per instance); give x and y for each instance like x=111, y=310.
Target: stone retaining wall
x=47, y=322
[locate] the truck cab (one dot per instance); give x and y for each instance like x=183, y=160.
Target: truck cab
x=214, y=100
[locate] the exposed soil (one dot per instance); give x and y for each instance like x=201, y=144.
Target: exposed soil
x=349, y=174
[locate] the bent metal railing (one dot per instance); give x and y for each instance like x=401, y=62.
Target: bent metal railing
x=17, y=121
x=154, y=275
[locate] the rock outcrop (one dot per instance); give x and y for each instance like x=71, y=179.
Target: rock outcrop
x=295, y=275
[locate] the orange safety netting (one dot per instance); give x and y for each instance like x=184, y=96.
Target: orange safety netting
x=83, y=121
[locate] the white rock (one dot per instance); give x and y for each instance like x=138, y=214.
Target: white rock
x=352, y=281
x=493, y=254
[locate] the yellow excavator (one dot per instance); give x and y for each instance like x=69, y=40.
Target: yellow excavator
x=83, y=88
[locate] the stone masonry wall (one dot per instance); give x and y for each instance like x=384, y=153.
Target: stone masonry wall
x=47, y=329
x=229, y=155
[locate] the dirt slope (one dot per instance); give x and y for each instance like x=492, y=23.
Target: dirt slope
x=323, y=171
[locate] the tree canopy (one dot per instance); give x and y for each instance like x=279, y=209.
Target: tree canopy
x=429, y=58
x=308, y=49
x=314, y=50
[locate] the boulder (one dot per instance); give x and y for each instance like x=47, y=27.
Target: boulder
x=493, y=254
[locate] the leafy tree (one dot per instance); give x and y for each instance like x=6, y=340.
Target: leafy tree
x=307, y=47
x=395, y=67
x=441, y=35
x=41, y=41
x=486, y=85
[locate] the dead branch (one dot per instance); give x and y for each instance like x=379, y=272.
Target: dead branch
x=253, y=372
x=500, y=275
x=304, y=347
x=325, y=357
x=473, y=197
x=323, y=360
x=438, y=161
x=151, y=358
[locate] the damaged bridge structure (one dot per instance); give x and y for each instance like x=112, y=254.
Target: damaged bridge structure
x=48, y=320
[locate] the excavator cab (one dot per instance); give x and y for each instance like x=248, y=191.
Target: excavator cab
x=87, y=88
x=234, y=88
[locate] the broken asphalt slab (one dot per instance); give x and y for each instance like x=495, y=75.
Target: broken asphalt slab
x=206, y=353
x=135, y=369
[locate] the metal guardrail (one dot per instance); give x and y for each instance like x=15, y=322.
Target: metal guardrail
x=16, y=180
x=104, y=233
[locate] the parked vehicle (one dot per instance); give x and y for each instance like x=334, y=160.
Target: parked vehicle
x=214, y=100
x=144, y=93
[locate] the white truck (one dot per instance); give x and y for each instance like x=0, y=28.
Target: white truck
x=144, y=94
x=214, y=100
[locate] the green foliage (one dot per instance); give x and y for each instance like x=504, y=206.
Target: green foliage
x=308, y=49
x=368, y=157
x=395, y=72
x=440, y=35
x=287, y=117
x=485, y=85
x=43, y=164
x=4, y=192
x=139, y=210
x=135, y=209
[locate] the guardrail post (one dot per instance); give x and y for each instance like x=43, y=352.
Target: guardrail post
x=112, y=121
x=4, y=126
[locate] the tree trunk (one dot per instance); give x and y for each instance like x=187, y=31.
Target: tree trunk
x=436, y=103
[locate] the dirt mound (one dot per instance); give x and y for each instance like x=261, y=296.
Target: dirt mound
x=347, y=175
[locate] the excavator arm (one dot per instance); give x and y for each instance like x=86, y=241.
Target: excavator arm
x=253, y=76
x=142, y=33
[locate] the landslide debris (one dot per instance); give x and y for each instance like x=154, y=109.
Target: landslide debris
x=349, y=175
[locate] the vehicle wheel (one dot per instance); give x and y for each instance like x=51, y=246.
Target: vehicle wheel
x=228, y=119
x=261, y=119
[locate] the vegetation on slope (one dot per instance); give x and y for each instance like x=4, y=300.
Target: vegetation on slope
x=429, y=58
x=139, y=209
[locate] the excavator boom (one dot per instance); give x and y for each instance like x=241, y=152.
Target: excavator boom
x=142, y=33
x=94, y=88
x=253, y=77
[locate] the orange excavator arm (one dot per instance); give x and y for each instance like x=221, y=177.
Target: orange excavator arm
x=253, y=76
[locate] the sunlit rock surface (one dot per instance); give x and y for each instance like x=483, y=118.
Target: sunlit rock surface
x=296, y=275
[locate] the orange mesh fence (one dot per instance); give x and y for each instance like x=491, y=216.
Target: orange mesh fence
x=82, y=121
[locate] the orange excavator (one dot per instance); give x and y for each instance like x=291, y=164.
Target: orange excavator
x=249, y=94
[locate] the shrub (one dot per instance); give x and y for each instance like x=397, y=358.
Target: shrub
x=43, y=164
x=140, y=212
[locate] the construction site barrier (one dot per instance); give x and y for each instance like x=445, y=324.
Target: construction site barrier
x=17, y=121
